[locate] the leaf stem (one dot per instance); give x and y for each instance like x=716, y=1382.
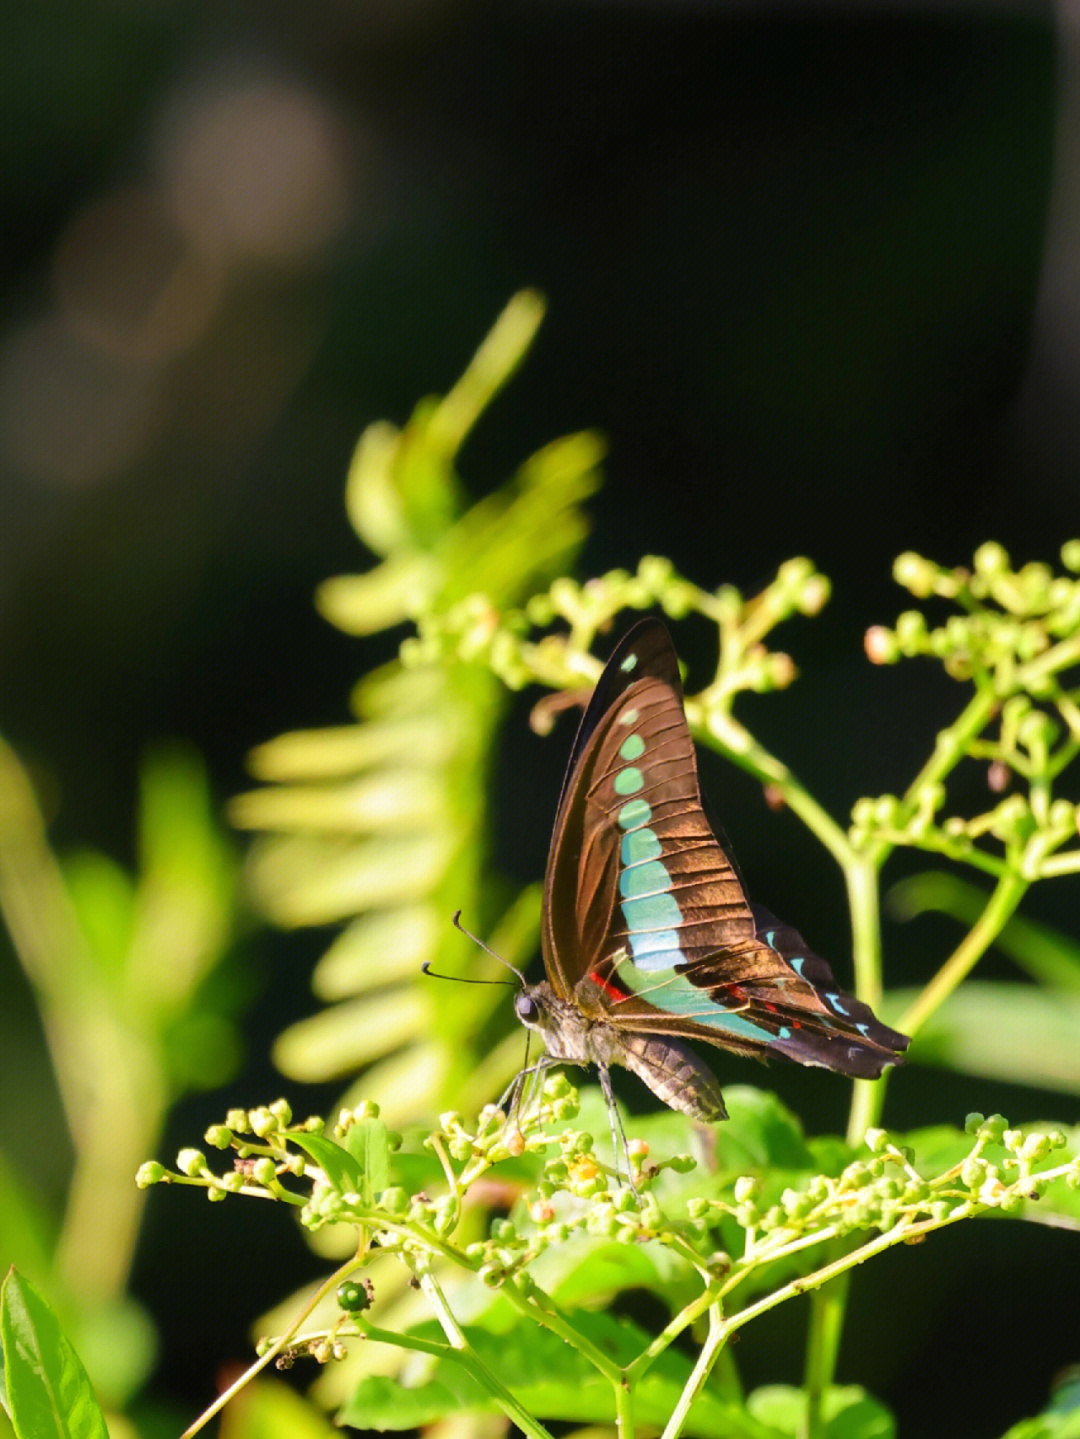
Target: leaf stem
x=1007, y=894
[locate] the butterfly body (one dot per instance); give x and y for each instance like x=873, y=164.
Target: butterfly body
x=671, y=1070
x=647, y=935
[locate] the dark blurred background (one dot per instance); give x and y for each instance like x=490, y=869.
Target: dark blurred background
x=813, y=271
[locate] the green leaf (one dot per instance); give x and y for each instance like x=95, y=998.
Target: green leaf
x=1014, y=1032
x=383, y=1404
x=269, y=1410
x=47, y=1389
x=848, y=1412
x=27, y=1225
x=1061, y=1417
x=761, y=1133
x=103, y=896
x=368, y=1143
x=554, y=1381
x=340, y=1167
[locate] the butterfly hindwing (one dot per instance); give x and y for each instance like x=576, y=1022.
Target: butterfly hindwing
x=646, y=923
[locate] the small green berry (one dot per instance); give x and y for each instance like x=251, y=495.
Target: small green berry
x=191, y=1162
x=355, y=1297
x=150, y=1173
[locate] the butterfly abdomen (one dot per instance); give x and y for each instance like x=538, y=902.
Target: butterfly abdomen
x=675, y=1075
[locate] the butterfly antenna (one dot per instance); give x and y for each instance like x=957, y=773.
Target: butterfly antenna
x=488, y=950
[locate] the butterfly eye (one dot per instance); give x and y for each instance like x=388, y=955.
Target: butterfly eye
x=526, y=1007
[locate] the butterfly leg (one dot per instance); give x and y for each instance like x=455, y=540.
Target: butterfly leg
x=616, y=1125
x=515, y=1089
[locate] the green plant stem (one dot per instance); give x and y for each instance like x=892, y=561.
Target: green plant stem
x=541, y=1309
x=670, y=1332
x=700, y=1373
x=827, y=1309
x=464, y=1353
x=1007, y=894
x=624, y=1409
x=281, y=1342
x=744, y=750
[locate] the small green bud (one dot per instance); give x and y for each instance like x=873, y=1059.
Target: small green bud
x=939, y=1210
x=915, y=574
x=794, y=573
x=282, y=1110
x=264, y=1171
x=445, y=1215
x=991, y=559
x=682, y=1163
x=814, y=595
x=1070, y=555
x=779, y=671
x=862, y=812
x=973, y=1172
x=492, y=1275
x=232, y=1182
x=504, y=1230
x=887, y=810
x=314, y=1124
x=1012, y=1140
x=557, y=1086
x=394, y=1200
x=540, y=609
x=149, y=1173
x=876, y=1140
x=1063, y=815
x=698, y=1208
x=366, y=1109
x=218, y=1136
x=215, y=1194
x=191, y=1162
x=237, y=1120
x=748, y=1216
x=974, y=1122
x=993, y=1128
x=911, y=633
x=263, y=1122
x=1036, y=1146
x=718, y=1264
x=746, y=1187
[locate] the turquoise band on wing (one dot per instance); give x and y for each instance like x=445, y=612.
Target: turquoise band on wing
x=674, y=994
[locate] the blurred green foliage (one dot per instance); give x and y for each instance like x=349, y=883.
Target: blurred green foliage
x=124, y=971
x=383, y=825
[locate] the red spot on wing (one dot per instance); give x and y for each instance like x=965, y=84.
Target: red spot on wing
x=615, y=995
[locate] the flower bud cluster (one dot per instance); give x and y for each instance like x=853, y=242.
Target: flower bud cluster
x=476, y=631
x=260, y=1139
x=1010, y=619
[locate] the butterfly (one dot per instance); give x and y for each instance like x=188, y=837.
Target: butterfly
x=648, y=938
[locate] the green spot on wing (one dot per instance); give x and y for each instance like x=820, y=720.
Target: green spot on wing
x=632, y=747
x=628, y=780
x=634, y=814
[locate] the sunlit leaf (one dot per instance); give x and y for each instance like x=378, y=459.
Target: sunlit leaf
x=1021, y=1033
x=49, y=1395
x=848, y=1412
